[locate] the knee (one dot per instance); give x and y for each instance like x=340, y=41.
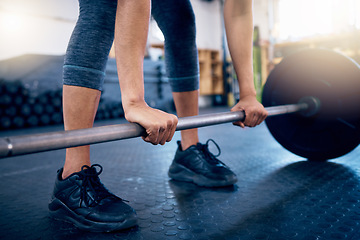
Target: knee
x=99, y=13
x=183, y=29
x=179, y=26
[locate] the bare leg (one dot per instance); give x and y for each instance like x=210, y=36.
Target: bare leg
x=80, y=105
x=187, y=104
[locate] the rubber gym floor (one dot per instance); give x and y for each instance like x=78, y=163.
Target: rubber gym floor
x=278, y=196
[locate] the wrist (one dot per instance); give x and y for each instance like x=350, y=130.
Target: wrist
x=246, y=85
x=247, y=93
x=131, y=102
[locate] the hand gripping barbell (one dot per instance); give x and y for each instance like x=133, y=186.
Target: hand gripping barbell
x=312, y=97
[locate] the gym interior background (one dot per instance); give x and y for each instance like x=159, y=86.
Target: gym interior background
x=279, y=195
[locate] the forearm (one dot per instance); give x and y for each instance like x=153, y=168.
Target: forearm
x=238, y=18
x=131, y=29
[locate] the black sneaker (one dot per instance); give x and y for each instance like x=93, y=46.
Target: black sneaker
x=83, y=200
x=198, y=165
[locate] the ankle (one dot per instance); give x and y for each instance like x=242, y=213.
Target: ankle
x=75, y=159
x=66, y=173
x=70, y=169
x=188, y=138
x=185, y=144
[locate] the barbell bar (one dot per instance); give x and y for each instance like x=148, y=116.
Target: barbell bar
x=321, y=86
x=26, y=144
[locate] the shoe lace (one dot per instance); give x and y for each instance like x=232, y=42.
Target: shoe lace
x=91, y=183
x=210, y=157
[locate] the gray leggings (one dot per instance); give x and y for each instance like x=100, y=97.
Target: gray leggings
x=91, y=40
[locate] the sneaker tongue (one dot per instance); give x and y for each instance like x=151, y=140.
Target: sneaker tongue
x=89, y=171
x=199, y=146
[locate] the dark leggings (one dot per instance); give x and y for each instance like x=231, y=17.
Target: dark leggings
x=91, y=40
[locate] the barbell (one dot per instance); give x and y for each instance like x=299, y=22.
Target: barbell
x=311, y=113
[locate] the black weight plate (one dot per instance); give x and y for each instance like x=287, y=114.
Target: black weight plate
x=335, y=80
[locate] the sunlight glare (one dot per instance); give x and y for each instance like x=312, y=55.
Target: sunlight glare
x=10, y=22
x=304, y=18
